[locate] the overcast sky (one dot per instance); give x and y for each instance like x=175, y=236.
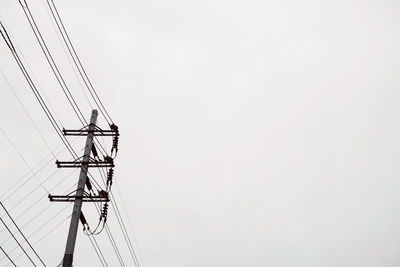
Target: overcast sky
x=253, y=133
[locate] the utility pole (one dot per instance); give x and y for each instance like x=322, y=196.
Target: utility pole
x=76, y=213
x=84, y=163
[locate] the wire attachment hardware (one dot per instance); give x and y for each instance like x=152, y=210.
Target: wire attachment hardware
x=66, y=198
x=97, y=131
x=108, y=162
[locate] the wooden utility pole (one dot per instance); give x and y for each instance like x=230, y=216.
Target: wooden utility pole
x=76, y=213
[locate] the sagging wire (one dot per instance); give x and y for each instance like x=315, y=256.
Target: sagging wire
x=100, y=225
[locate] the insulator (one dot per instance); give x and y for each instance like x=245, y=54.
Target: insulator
x=115, y=144
x=94, y=151
x=83, y=221
x=114, y=128
x=104, y=212
x=88, y=184
x=110, y=177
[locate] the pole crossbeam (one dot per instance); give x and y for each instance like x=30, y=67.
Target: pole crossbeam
x=95, y=132
x=62, y=198
x=107, y=163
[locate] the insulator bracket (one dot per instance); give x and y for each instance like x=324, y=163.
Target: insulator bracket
x=64, y=198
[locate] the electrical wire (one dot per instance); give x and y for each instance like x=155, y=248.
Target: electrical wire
x=8, y=257
x=77, y=62
x=98, y=251
x=34, y=78
x=45, y=235
x=33, y=87
x=114, y=245
x=27, y=195
x=49, y=220
x=51, y=62
x=43, y=210
x=33, y=190
x=23, y=158
x=29, y=172
x=29, y=222
x=26, y=112
x=19, y=244
x=111, y=238
x=129, y=221
x=19, y=230
x=66, y=54
x=34, y=217
x=124, y=231
x=76, y=59
x=22, y=177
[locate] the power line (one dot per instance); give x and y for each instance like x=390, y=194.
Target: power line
x=36, y=166
x=45, y=235
x=98, y=251
x=30, y=221
x=35, y=78
x=27, y=195
x=35, y=216
x=45, y=180
x=8, y=257
x=43, y=210
x=51, y=62
x=26, y=112
x=124, y=231
x=66, y=54
x=19, y=244
x=111, y=238
x=114, y=245
x=129, y=222
x=32, y=85
x=22, y=157
x=49, y=220
x=76, y=60
x=19, y=230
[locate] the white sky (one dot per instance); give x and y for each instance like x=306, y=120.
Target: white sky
x=253, y=133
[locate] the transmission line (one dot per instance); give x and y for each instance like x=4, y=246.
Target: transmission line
x=124, y=231
x=78, y=64
x=112, y=240
x=23, y=158
x=51, y=62
x=26, y=112
x=33, y=87
x=45, y=235
x=8, y=257
x=129, y=222
x=19, y=244
x=98, y=251
x=19, y=230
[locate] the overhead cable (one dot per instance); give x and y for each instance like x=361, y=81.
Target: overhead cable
x=19, y=230
x=19, y=244
x=8, y=257
x=51, y=62
x=33, y=87
x=78, y=63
